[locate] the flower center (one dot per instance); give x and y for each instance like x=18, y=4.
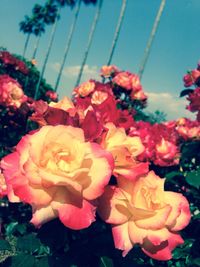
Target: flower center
x=55, y=157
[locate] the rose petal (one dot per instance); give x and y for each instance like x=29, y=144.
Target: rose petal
x=156, y=221
x=180, y=214
x=161, y=250
x=121, y=238
x=136, y=234
x=76, y=217
x=10, y=165
x=112, y=206
x=99, y=172
x=43, y=215
x=33, y=195
x=131, y=173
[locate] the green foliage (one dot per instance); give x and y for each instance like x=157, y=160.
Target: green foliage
x=27, y=81
x=154, y=117
x=106, y=262
x=186, y=92
x=193, y=178
x=45, y=15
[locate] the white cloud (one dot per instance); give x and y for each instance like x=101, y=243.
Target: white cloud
x=172, y=105
x=89, y=72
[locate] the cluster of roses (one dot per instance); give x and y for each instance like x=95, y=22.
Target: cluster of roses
x=10, y=61
x=192, y=78
x=162, y=140
x=64, y=168
x=14, y=111
x=12, y=96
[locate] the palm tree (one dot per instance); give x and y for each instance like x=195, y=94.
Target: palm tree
x=68, y=43
x=52, y=35
x=151, y=38
x=26, y=27
x=117, y=31
x=32, y=25
x=90, y=38
x=48, y=15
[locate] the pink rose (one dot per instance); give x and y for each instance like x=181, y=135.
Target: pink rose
x=166, y=153
x=128, y=80
x=194, y=99
x=188, y=80
x=138, y=95
x=141, y=212
x=108, y=71
x=53, y=96
x=188, y=129
x=123, y=79
x=59, y=175
x=135, y=82
x=65, y=104
x=11, y=93
x=98, y=97
x=84, y=89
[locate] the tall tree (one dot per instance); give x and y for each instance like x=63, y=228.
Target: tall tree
x=52, y=36
x=90, y=38
x=48, y=15
x=151, y=38
x=68, y=43
x=26, y=28
x=32, y=25
x=117, y=31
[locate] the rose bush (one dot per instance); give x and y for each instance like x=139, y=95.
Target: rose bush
x=100, y=152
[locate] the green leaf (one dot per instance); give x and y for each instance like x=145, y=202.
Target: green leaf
x=29, y=243
x=196, y=261
x=4, y=245
x=186, y=92
x=23, y=260
x=196, y=216
x=106, y=262
x=11, y=228
x=172, y=174
x=42, y=262
x=193, y=178
x=21, y=228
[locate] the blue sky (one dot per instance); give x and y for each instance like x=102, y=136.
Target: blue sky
x=175, y=49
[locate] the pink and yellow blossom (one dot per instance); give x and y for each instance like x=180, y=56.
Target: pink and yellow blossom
x=125, y=150
x=141, y=212
x=11, y=92
x=108, y=71
x=84, y=89
x=59, y=175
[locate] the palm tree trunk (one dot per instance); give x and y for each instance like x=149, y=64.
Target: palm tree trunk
x=67, y=47
x=36, y=47
x=90, y=38
x=53, y=31
x=117, y=31
x=26, y=44
x=151, y=38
